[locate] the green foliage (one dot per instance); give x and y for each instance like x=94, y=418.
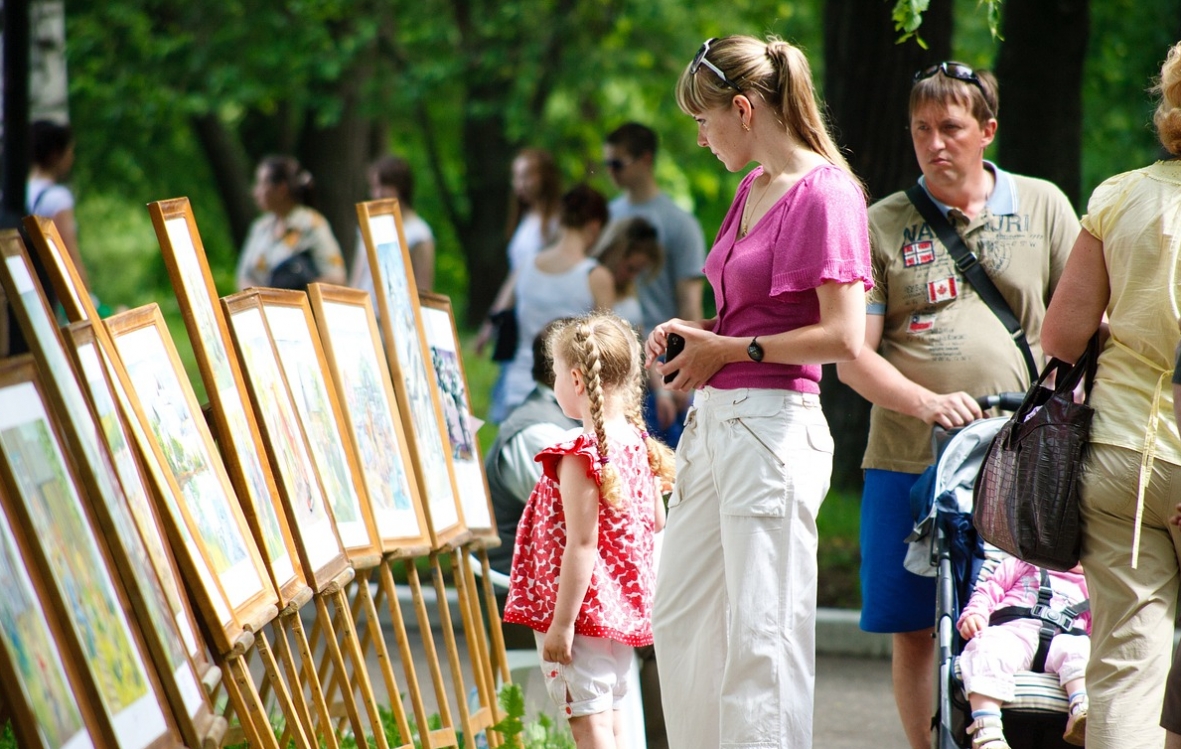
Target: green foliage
x=908, y=17
x=540, y=734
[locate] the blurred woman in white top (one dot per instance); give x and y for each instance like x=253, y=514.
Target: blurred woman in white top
x=45, y=196
x=562, y=281
x=391, y=177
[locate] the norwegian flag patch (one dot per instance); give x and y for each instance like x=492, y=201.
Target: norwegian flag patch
x=918, y=253
x=942, y=290
x=921, y=323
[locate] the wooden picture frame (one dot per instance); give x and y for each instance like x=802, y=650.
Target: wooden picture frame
x=39, y=685
x=234, y=423
x=304, y=501
x=178, y=637
x=361, y=376
x=168, y=640
x=205, y=517
x=44, y=500
x=88, y=330
x=301, y=355
x=442, y=337
x=406, y=354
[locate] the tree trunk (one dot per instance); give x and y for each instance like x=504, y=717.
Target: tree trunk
x=337, y=156
x=1040, y=70
x=867, y=87
x=232, y=172
x=487, y=158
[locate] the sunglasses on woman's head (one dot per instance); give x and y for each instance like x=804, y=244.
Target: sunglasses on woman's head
x=955, y=70
x=699, y=60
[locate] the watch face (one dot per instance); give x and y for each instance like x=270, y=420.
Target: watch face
x=755, y=351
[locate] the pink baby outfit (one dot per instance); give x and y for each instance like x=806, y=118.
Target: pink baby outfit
x=618, y=603
x=993, y=656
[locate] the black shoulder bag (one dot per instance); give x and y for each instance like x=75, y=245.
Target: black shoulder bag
x=969, y=266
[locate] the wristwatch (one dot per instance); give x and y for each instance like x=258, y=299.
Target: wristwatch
x=754, y=350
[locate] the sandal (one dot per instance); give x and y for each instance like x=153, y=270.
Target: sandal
x=988, y=733
x=1076, y=725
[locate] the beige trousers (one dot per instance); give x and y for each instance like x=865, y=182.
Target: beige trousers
x=1133, y=609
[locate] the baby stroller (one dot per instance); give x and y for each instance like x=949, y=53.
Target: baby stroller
x=945, y=545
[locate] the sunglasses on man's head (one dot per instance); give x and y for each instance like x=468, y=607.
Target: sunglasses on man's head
x=956, y=70
x=700, y=60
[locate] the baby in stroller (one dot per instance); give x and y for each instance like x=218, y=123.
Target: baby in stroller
x=1024, y=617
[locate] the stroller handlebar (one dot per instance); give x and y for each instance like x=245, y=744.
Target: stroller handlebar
x=1003, y=401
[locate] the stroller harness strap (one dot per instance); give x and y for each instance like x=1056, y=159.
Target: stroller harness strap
x=1053, y=622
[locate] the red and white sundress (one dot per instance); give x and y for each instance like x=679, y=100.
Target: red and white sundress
x=618, y=603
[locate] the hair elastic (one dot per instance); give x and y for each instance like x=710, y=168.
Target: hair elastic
x=604, y=460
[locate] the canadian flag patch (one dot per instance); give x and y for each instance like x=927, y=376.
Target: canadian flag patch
x=918, y=253
x=921, y=323
x=942, y=290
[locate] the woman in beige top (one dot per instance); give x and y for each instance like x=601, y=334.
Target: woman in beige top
x=1121, y=279
x=287, y=227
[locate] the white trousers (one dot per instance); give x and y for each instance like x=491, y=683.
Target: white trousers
x=735, y=611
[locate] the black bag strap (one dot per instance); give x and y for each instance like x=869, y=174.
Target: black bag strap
x=969, y=266
x=1053, y=623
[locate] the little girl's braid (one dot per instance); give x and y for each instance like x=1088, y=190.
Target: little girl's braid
x=592, y=367
x=660, y=458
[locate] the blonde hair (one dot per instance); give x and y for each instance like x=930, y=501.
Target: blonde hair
x=606, y=351
x=779, y=73
x=1167, y=118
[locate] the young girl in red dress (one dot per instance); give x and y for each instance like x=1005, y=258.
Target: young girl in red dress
x=582, y=567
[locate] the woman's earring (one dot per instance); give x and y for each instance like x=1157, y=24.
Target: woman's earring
x=745, y=126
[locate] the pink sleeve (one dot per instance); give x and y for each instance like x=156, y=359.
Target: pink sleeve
x=827, y=235
x=989, y=593
x=582, y=446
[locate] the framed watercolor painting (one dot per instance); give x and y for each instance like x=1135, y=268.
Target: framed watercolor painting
x=301, y=355
x=92, y=352
x=237, y=432
x=356, y=361
x=113, y=508
x=41, y=698
x=414, y=384
x=206, y=516
x=44, y=501
x=442, y=337
x=299, y=480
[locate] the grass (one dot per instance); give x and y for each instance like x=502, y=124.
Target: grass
x=839, y=553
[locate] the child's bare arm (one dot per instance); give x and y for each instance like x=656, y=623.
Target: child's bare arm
x=580, y=503
x=658, y=507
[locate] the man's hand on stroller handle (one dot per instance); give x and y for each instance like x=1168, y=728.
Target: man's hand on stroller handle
x=949, y=410
x=972, y=625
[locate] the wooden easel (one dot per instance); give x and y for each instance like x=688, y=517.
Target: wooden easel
x=371, y=414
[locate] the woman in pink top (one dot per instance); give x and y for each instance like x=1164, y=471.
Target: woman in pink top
x=734, y=615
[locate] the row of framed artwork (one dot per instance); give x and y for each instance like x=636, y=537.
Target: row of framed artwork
x=137, y=530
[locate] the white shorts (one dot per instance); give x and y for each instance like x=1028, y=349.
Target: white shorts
x=594, y=681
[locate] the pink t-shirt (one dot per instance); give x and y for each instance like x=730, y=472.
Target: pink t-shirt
x=765, y=283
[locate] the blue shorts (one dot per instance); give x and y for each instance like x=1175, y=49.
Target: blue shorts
x=892, y=599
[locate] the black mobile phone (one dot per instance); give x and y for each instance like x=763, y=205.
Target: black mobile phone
x=675, y=345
